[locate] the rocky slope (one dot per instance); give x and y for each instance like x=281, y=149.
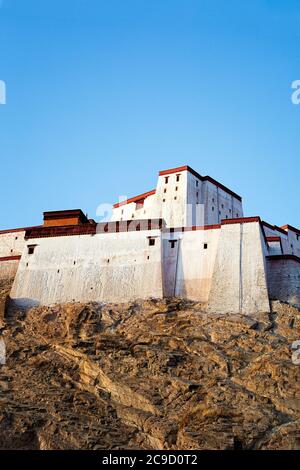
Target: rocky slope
x=148, y=375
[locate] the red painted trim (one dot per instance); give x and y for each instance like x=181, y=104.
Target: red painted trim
x=14, y=230
x=66, y=214
x=284, y=257
x=274, y=239
x=10, y=258
x=193, y=228
x=88, y=229
x=240, y=220
x=202, y=178
x=138, y=198
x=290, y=227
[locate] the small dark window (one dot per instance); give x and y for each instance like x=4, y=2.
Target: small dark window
x=148, y=257
x=11, y=251
x=151, y=241
x=108, y=261
x=213, y=199
x=219, y=212
x=173, y=243
x=177, y=178
x=205, y=246
x=165, y=190
x=176, y=189
x=132, y=216
x=175, y=198
x=212, y=208
x=31, y=249
x=58, y=271
x=16, y=238
x=122, y=211
x=197, y=183
x=164, y=200
x=230, y=211
x=74, y=263
x=297, y=237
x=237, y=215
x=197, y=194
x=166, y=179
x=222, y=206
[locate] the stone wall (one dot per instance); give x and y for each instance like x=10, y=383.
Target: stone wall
x=284, y=280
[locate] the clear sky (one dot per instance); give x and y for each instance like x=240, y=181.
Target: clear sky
x=101, y=94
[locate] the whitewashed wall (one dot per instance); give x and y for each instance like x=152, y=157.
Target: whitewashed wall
x=188, y=267
x=11, y=243
x=177, y=202
x=239, y=281
x=110, y=267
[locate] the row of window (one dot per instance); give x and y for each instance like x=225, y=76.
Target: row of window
x=177, y=178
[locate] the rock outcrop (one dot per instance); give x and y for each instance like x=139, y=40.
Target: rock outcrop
x=149, y=375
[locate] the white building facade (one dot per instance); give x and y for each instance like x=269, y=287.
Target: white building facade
x=187, y=238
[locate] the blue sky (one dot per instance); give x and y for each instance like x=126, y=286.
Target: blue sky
x=103, y=94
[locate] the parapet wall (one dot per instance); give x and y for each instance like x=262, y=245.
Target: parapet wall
x=109, y=267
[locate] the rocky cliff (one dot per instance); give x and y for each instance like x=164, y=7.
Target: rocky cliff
x=148, y=375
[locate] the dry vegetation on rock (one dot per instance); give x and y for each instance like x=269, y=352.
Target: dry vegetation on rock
x=148, y=375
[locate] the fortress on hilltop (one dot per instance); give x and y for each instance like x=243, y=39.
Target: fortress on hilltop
x=187, y=238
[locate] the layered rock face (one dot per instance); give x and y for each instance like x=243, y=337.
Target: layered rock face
x=148, y=375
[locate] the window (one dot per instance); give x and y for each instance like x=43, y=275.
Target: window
x=31, y=249
x=164, y=200
x=212, y=208
x=197, y=194
x=165, y=190
x=297, y=236
x=213, y=199
x=166, y=179
x=175, y=198
x=237, y=214
x=222, y=206
x=197, y=183
x=122, y=211
x=230, y=211
x=132, y=216
x=139, y=205
x=205, y=245
x=177, y=178
x=176, y=189
x=151, y=241
x=173, y=243
x=16, y=238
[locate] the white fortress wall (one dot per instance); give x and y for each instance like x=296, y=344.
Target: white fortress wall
x=110, y=267
x=284, y=279
x=11, y=242
x=239, y=283
x=11, y=247
x=196, y=258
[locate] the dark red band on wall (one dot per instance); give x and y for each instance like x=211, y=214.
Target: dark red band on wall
x=10, y=258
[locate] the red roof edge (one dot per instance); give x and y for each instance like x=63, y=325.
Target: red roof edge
x=14, y=230
x=240, y=220
x=140, y=197
x=290, y=227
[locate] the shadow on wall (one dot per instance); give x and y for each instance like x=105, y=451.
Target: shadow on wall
x=23, y=303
